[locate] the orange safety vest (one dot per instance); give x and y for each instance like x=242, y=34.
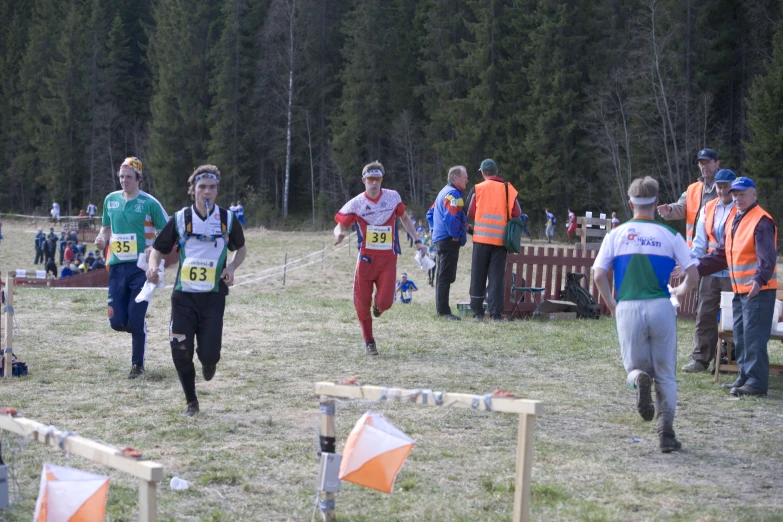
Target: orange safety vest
x=692, y=207
x=709, y=222
x=492, y=211
x=741, y=252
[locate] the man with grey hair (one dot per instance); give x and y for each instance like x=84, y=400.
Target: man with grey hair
x=642, y=253
x=749, y=251
x=448, y=224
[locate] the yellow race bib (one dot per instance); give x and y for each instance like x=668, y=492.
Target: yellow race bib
x=123, y=247
x=378, y=237
x=197, y=275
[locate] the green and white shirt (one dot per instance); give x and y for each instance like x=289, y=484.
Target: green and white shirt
x=642, y=253
x=133, y=223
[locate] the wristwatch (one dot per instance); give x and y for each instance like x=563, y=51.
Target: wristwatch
x=417, y=242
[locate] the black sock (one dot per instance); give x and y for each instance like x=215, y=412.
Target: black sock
x=188, y=381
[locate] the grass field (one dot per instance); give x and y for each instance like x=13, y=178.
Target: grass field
x=251, y=454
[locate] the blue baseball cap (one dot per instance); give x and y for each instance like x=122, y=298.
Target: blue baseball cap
x=707, y=154
x=725, y=176
x=742, y=183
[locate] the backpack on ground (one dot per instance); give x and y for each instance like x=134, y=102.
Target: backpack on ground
x=586, y=306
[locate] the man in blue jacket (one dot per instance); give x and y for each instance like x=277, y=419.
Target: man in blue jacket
x=448, y=223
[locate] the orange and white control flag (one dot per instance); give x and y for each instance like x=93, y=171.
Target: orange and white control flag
x=374, y=453
x=70, y=495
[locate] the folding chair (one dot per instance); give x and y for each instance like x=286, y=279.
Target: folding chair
x=534, y=292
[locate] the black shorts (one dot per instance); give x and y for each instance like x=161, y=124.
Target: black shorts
x=199, y=317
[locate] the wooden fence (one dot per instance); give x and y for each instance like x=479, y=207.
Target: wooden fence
x=547, y=267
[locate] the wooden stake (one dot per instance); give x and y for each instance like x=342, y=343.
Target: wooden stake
x=524, y=468
x=527, y=410
x=148, y=501
x=8, y=353
x=149, y=473
x=328, y=444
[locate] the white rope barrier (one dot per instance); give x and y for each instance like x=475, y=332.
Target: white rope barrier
x=277, y=270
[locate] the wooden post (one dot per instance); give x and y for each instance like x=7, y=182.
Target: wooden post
x=285, y=267
x=524, y=467
x=8, y=353
x=148, y=501
x=584, y=233
x=526, y=409
x=327, y=444
x=149, y=473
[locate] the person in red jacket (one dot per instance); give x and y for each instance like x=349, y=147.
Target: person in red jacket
x=375, y=212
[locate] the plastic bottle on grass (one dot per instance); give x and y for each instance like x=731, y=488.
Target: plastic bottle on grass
x=178, y=484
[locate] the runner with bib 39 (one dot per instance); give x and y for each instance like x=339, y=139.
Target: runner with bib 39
x=375, y=212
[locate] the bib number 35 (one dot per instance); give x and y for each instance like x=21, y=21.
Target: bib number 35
x=123, y=247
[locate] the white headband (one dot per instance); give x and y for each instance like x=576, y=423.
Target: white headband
x=373, y=173
x=643, y=201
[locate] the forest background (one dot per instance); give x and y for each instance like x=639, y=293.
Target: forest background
x=290, y=98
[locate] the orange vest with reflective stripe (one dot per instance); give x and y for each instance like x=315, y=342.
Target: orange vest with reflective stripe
x=492, y=211
x=741, y=252
x=692, y=207
x=709, y=222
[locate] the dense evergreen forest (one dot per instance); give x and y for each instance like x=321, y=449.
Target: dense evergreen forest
x=573, y=99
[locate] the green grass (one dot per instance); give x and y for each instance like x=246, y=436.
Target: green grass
x=251, y=454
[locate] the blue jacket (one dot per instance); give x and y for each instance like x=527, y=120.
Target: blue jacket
x=446, y=217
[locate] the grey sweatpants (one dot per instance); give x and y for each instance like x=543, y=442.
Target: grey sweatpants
x=647, y=329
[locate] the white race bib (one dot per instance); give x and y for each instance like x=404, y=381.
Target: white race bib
x=378, y=238
x=123, y=247
x=197, y=275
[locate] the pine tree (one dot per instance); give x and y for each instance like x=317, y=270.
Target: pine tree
x=440, y=24
x=552, y=112
x=61, y=140
x=179, y=58
x=39, y=53
x=360, y=127
x=119, y=92
x=230, y=141
x=764, y=147
x=12, y=42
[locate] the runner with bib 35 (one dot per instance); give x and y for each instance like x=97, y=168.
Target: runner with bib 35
x=131, y=218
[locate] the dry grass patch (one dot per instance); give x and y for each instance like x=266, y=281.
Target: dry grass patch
x=251, y=454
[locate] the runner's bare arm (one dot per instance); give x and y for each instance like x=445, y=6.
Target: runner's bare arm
x=601, y=278
x=228, y=272
x=339, y=233
x=104, y=234
x=691, y=279
x=411, y=229
x=152, y=271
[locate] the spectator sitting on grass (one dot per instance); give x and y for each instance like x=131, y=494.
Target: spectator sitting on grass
x=99, y=263
x=66, y=271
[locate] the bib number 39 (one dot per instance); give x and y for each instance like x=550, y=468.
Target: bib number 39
x=123, y=247
x=379, y=237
